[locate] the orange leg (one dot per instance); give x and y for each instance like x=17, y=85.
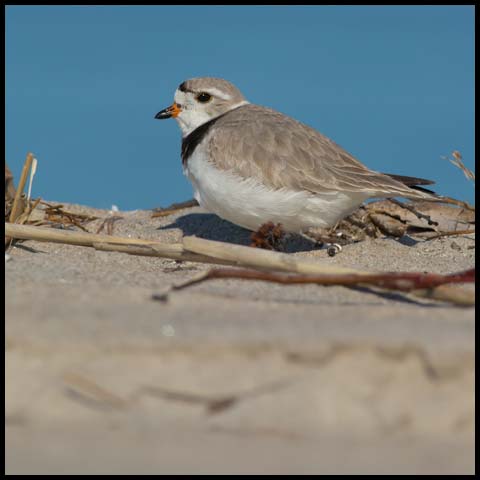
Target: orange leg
x=268, y=236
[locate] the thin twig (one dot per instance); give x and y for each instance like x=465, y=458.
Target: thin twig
x=459, y=203
x=55, y=213
x=429, y=286
x=403, y=281
x=109, y=223
x=173, y=208
x=446, y=234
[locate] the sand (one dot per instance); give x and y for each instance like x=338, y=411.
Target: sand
x=231, y=376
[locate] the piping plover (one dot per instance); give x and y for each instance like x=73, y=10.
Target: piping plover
x=252, y=165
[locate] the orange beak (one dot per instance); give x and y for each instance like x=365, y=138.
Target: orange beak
x=168, y=112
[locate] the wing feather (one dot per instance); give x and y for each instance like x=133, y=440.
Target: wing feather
x=254, y=141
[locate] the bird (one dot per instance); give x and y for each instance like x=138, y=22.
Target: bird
x=254, y=166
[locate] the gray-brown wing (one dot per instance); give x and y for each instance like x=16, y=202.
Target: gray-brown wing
x=254, y=141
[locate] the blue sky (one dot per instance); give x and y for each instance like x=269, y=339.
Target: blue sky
x=393, y=85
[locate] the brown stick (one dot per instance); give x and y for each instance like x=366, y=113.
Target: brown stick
x=403, y=281
x=430, y=286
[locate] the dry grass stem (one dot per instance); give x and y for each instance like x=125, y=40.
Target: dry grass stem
x=175, y=207
x=57, y=215
x=18, y=206
x=108, y=224
x=457, y=161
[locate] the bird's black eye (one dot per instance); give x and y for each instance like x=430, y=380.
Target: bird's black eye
x=203, y=97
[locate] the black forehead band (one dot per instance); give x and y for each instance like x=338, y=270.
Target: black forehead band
x=183, y=88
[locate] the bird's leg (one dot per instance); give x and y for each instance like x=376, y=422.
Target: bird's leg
x=268, y=236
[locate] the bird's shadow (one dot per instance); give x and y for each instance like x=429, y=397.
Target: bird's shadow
x=407, y=240
x=212, y=227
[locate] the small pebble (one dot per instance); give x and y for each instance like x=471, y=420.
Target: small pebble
x=168, y=331
x=160, y=297
x=455, y=246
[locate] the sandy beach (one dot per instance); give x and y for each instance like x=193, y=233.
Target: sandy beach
x=233, y=376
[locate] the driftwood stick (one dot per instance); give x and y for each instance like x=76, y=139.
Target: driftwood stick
x=258, y=258
x=199, y=250
x=71, y=237
x=156, y=251
x=136, y=249
x=135, y=246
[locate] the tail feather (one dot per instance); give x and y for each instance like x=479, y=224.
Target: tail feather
x=410, y=181
x=413, y=182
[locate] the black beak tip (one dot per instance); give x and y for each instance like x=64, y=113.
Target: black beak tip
x=162, y=115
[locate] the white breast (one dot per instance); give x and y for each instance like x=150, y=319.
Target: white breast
x=248, y=203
